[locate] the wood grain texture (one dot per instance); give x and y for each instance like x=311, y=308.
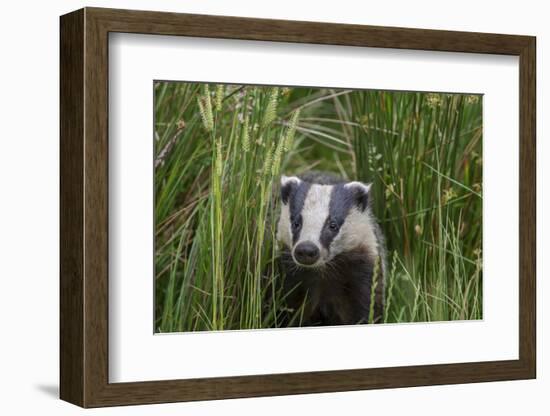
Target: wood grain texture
x=84, y=207
x=527, y=208
x=226, y=27
x=71, y=185
x=96, y=208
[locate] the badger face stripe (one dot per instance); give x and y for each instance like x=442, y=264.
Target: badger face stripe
x=314, y=213
x=341, y=201
x=338, y=210
x=343, y=198
x=297, y=198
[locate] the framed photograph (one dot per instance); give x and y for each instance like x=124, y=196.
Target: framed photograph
x=256, y=207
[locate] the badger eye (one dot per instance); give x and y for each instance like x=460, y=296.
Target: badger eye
x=333, y=226
x=296, y=225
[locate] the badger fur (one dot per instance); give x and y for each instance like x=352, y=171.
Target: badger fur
x=331, y=247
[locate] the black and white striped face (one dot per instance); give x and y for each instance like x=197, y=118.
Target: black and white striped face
x=318, y=222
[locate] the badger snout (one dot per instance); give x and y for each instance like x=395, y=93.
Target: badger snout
x=306, y=253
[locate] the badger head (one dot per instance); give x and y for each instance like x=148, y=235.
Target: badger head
x=319, y=222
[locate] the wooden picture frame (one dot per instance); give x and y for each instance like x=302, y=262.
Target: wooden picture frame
x=84, y=207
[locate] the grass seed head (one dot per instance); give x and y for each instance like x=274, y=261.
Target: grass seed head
x=220, y=91
x=219, y=159
x=448, y=195
x=268, y=160
x=271, y=110
x=277, y=157
x=205, y=109
x=291, y=131
x=434, y=100
x=246, y=136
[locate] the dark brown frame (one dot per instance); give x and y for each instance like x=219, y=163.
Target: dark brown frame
x=84, y=208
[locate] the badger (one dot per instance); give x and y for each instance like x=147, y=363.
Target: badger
x=332, y=250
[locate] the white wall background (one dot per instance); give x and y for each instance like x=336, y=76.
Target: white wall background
x=29, y=159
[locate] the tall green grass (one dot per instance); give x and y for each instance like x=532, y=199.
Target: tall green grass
x=220, y=151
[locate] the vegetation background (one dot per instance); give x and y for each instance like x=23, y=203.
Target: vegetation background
x=219, y=153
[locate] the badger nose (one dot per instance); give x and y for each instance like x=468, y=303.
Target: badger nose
x=306, y=253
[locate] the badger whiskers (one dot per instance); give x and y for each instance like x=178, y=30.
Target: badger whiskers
x=330, y=270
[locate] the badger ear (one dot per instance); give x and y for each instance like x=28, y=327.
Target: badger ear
x=360, y=193
x=288, y=184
